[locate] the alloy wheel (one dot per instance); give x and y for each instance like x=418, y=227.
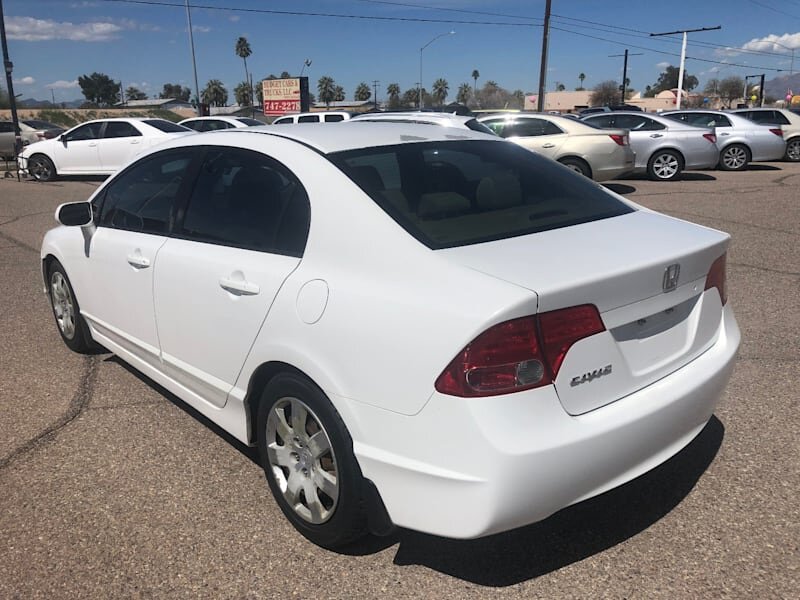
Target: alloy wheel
x=793, y=150
x=63, y=304
x=302, y=461
x=665, y=166
x=40, y=169
x=734, y=158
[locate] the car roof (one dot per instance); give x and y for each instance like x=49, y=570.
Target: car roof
x=338, y=139
x=433, y=117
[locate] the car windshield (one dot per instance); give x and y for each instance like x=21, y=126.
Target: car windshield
x=455, y=193
x=40, y=124
x=166, y=126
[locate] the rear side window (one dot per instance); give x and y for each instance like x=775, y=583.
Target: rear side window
x=308, y=119
x=637, y=123
x=119, y=129
x=456, y=193
x=333, y=118
x=602, y=122
x=143, y=197
x=283, y=121
x=194, y=125
x=166, y=126
x=247, y=200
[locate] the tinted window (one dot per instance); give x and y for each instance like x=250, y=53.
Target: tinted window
x=333, y=118
x=6, y=126
x=195, y=125
x=40, y=124
x=681, y=117
x=249, y=122
x=214, y=125
x=308, y=119
x=166, y=126
x=89, y=131
x=283, y=121
x=476, y=125
x=456, y=193
x=602, y=122
x=768, y=117
x=118, y=129
x=142, y=198
x=637, y=123
x=524, y=128
x=244, y=199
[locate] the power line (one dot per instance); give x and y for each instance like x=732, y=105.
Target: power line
x=296, y=13
x=455, y=10
x=767, y=6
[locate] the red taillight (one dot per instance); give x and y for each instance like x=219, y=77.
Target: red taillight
x=778, y=132
x=621, y=140
x=717, y=278
x=711, y=137
x=518, y=355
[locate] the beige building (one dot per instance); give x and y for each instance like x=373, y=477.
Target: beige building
x=567, y=102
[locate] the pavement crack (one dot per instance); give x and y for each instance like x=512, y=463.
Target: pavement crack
x=78, y=404
x=18, y=243
x=766, y=269
x=732, y=221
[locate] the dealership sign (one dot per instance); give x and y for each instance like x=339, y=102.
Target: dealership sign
x=283, y=96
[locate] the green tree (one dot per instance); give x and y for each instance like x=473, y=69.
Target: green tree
x=475, y=75
x=176, y=91
x=326, y=89
x=440, y=89
x=580, y=87
x=410, y=97
x=338, y=94
x=134, y=93
x=730, y=89
x=668, y=80
x=243, y=50
x=243, y=94
x=464, y=92
x=362, y=92
x=100, y=89
x=604, y=93
x=215, y=93
x=560, y=87
x=393, y=91
x=285, y=75
x=519, y=99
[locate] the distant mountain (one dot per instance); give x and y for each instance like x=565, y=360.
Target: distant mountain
x=34, y=103
x=778, y=86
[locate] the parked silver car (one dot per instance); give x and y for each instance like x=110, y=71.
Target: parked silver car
x=787, y=119
x=664, y=147
x=739, y=140
x=600, y=155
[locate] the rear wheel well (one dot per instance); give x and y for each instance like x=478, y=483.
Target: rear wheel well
x=258, y=381
x=681, y=157
x=577, y=159
x=47, y=261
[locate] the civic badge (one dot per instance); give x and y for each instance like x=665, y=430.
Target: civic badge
x=671, y=274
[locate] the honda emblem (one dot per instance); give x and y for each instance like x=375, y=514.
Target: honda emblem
x=670, y=281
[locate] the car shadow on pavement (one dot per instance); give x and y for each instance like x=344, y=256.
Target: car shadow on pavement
x=572, y=534
x=620, y=188
x=754, y=167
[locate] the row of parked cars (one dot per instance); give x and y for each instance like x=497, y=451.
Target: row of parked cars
x=601, y=145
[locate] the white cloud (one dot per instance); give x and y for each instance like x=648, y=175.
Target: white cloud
x=663, y=65
x=29, y=29
x=62, y=85
x=774, y=43
x=25, y=81
x=200, y=29
x=234, y=18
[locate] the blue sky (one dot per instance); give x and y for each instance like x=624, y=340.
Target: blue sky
x=52, y=42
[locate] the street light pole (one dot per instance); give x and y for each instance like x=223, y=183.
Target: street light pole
x=419, y=84
x=683, y=55
x=194, y=62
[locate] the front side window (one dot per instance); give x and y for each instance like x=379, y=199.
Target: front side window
x=283, y=121
x=333, y=118
x=215, y=125
x=249, y=122
x=89, y=131
x=247, y=200
x=143, y=197
x=456, y=193
x=118, y=129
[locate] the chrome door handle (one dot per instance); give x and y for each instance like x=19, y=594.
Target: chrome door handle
x=92, y=145
x=548, y=145
x=724, y=133
x=138, y=261
x=656, y=135
x=134, y=141
x=239, y=287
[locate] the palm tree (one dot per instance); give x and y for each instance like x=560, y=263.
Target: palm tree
x=475, y=75
x=393, y=91
x=243, y=51
x=440, y=89
x=581, y=77
x=338, y=94
x=362, y=92
x=326, y=90
x=215, y=93
x=464, y=92
x=243, y=93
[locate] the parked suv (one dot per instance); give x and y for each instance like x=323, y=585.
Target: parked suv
x=788, y=120
x=331, y=116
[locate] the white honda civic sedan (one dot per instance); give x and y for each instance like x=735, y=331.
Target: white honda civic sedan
x=96, y=147
x=418, y=326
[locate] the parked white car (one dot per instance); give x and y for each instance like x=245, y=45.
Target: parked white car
x=447, y=333
x=598, y=154
x=98, y=147
x=329, y=116
x=219, y=122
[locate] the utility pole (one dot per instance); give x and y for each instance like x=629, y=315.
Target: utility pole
x=624, y=71
x=9, y=68
x=683, y=55
x=53, y=95
x=543, y=67
x=194, y=62
x=375, y=83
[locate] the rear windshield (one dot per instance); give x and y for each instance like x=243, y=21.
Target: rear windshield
x=456, y=193
x=249, y=122
x=41, y=124
x=166, y=126
x=476, y=125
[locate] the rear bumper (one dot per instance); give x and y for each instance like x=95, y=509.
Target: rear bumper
x=466, y=468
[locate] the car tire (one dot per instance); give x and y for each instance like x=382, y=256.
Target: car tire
x=793, y=150
x=735, y=157
x=307, y=455
x=41, y=168
x=664, y=165
x=71, y=325
x=578, y=165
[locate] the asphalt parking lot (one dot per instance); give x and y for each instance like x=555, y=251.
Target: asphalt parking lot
x=111, y=487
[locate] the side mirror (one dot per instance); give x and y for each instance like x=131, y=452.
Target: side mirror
x=74, y=214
